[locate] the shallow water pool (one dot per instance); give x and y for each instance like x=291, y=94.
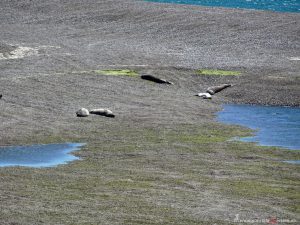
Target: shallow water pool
x=276, y=126
x=48, y=155
x=273, y=5
x=293, y=161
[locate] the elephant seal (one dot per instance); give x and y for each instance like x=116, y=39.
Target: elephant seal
x=155, y=79
x=82, y=112
x=102, y=112
x=215, y=89
x=0, y=96
x=204, y=95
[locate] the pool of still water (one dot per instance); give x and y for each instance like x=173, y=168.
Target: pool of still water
x=38, y=156
x=272, y=5
x=275, y=126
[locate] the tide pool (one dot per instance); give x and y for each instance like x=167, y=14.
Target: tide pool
x=293, y=161
x=275, y=126
x=273, y=5
x=38, y=155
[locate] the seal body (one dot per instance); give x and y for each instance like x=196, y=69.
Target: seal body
x=215, y=89
x=82, y=112
x=155, y=79
x=204, y=95
x=102, y=112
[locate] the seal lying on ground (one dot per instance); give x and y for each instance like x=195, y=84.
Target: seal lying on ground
x=102, y=112
x=82, y=112
x=204, y=95
x=155, y=79
x=215, y=89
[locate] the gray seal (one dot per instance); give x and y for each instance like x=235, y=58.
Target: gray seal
x=102, y=112
x=215, y=89
x=204, y=95
x=82, y=112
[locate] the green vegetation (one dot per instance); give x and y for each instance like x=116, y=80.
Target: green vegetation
x=124, y=72
x=218, y=72
x=254, y=189
x=154, y=175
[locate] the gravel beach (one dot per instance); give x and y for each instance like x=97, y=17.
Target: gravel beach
x=50, y=55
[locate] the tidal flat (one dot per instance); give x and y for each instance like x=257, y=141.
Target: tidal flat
x=164, y=158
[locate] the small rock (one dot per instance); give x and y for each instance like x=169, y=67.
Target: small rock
x=82, y=112
x=102, y=112
x=204, y=95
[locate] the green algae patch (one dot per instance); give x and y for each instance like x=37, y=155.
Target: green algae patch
x=218, y=72
x=126, y=72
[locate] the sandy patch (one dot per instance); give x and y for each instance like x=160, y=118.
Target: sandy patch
x=18, y=53
x=295, y=58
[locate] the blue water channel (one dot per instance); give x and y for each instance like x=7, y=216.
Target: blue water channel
x=38, y=155
x=275, y=126
x=273, y=5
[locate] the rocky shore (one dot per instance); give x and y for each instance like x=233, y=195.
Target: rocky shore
x=62, y=46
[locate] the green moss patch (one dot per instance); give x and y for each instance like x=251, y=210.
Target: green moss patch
x=125, y=72
x=218, y=72
x=134, y=174
x=253, y=189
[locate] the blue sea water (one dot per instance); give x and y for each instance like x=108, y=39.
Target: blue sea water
x=38, y=155
x=276, y=126
x=273, y=5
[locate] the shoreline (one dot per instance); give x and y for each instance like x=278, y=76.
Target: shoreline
x=164, y=159
x=221, y=7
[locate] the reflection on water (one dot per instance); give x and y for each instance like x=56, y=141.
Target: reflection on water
x=38, y=155
x=276, y=126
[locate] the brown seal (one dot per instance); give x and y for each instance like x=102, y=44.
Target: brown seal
x=215, y=89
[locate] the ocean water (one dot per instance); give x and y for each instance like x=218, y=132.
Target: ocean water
x=273, y=5
x=275, y=126
x=38, y=155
